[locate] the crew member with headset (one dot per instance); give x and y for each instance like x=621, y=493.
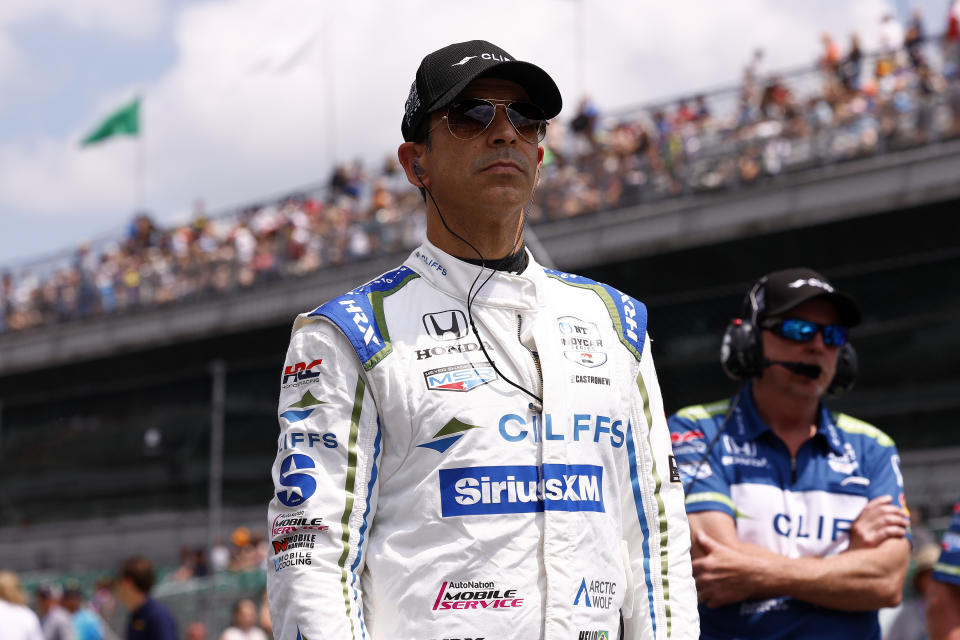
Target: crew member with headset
x=472, y=445
x=796, y=512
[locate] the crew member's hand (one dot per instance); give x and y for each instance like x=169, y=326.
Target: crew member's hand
x=723, y=574
x=878, y=521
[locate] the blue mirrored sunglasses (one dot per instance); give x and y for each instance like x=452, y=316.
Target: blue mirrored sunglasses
x=798, y=330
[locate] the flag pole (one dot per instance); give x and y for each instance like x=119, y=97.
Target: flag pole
x=140, y=170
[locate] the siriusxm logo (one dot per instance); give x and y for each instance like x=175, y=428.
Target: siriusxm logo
x=472, y=491
x=461, y=377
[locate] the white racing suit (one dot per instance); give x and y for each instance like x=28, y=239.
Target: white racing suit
x=418, y=495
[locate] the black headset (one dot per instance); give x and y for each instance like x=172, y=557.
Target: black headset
x=741, y=352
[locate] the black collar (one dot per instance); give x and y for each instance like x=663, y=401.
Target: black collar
x=513, y=263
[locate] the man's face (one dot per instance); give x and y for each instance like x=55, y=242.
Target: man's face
x=495, y=170
x=44, y=603
x=246, y=614
x=123, y=590
x=813, y=352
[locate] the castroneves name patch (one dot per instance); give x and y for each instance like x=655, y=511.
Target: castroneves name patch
x=473, y=491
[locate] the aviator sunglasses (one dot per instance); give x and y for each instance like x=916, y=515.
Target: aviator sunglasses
x=468, y=118
x=834, y=335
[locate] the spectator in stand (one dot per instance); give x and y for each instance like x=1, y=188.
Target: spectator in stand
x=914, y=40
x=196, y=630
x=56, y=622
x=831, y=52
x=149, y=620
x=911, y=622
x=264, y=620
x=891, y=46
x=951, y=41
x=852, y=65
x=219, y=557
x=244, y=625
x=17, y=620
x=584, y=124
x=87, y=625
x=943, y=598
x=891, y=34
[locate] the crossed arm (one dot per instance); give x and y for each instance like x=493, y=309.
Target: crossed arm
x=867, y=576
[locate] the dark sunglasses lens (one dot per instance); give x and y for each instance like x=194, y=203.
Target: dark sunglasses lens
x=799, y=330
x=528, y=119
x=835, y=335
x=469, y=118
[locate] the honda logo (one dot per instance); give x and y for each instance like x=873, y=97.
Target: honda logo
x=446, y=325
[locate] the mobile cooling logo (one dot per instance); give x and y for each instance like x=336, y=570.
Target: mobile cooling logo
x=473, y=491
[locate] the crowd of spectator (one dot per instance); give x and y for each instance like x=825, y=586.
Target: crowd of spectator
x=850, y=105
x=65, y=609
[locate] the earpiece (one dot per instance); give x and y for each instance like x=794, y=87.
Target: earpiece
x=417, y=169
x=847, y=367
x=741, y=352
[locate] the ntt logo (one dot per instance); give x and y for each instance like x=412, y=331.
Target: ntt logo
x=472, y=491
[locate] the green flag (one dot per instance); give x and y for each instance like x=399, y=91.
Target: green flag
x=125, y=121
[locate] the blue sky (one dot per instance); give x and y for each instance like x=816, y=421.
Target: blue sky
x=245, y=99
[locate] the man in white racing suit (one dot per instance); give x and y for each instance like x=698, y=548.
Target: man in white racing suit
x=471, y=445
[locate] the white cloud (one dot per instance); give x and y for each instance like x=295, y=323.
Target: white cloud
x=131, y=20
x=10, y=62
x=246, y=110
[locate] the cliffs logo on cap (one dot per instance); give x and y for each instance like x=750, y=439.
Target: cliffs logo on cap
x=810, y=282
x=461, y=377
x=483, y=56
x=581, y=342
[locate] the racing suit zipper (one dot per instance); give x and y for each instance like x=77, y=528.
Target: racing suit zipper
x=793, y=469
x=534, y=406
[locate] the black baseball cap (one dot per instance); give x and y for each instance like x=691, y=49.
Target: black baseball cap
x=780, y=291
x=446, y=72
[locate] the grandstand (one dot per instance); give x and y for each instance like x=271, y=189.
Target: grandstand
x=120, y=362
